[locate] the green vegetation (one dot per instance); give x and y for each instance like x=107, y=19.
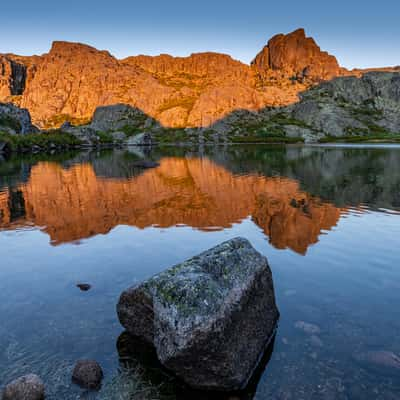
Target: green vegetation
x=131, y=130
x=363, y=112
x=266, y=139
x=365, y=138
x=45, y=141
x=105, y=137
x=9, y=122
x=170, y=136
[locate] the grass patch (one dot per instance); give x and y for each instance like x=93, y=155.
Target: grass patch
x=366, y=138
x=45, y=141
x=172, y=136
x=266, y=139
x=105, y=137
x=131, y=130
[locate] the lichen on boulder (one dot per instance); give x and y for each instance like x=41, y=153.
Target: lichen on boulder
x=209, y=318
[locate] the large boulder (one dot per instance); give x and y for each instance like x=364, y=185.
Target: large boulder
x=209, y=318
x=118, y=116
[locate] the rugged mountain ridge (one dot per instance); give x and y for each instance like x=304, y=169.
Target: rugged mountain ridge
x=73, y=79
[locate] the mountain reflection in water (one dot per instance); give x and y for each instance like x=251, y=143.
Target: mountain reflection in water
x=74, y=203
x=338, y=205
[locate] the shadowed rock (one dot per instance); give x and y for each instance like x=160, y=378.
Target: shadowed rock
x=209, y=318
x=87, y=374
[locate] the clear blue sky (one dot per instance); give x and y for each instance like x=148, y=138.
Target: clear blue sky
x=360, y=33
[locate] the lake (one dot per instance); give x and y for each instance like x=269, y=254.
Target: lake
x=326, y=217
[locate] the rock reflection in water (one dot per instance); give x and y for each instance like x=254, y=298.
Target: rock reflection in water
x=74, y=203
x=140, y=358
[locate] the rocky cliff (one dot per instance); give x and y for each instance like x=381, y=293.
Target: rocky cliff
x=73, y=79
x=296, y=56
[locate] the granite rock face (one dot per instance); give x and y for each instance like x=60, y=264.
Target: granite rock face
x=73, y=79
x=369, y=105
x=209, y=318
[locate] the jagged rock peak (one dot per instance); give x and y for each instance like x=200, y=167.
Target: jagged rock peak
x=295, y=54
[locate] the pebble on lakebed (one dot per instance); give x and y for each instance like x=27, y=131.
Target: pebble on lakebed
x=87, y=374
x=28, y=387
x=306, y=327
x=84, y=287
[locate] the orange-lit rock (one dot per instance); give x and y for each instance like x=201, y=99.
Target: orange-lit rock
x=73, y=79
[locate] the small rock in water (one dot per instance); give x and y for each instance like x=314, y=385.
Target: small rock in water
x=385, y=361
x=87, y=374
x=84, y=286
x=28, y=387
x=307, y=327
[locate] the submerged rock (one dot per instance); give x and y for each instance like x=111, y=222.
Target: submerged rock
x=209, y=318
x=306, y=327
x=87, y=374
x=381, y=360
x=28, y=387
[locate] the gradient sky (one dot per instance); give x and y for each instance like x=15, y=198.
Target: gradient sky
x=359, y=33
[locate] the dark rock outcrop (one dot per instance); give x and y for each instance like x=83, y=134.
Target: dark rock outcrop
x=209, y=318
x=15, y=120
x=369, y=105
x=28, y=387
x=87, y=374
x=13, y=75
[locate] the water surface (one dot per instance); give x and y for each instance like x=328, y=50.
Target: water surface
x=327, y=218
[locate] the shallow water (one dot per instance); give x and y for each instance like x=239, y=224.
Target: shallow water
x=327, y=218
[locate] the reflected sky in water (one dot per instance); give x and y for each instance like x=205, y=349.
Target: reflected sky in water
x=327, y=219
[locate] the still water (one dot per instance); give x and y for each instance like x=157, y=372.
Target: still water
x=327, y=218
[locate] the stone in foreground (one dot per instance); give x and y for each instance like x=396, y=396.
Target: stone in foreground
x=87, y=374
x=209, y=318
x=28, y=387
